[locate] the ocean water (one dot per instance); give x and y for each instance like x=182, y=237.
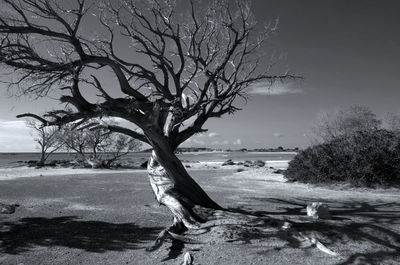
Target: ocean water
x=17, y=159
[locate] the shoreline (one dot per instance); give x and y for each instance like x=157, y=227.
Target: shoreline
x=9, y=173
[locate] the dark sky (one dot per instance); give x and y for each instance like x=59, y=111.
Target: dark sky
x=347, y=51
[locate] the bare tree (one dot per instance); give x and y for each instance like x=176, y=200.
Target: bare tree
x=118, y=146
x=46, y=138
x=98, y=148
x=345, y=122
x=74, y=141
x=182, y=68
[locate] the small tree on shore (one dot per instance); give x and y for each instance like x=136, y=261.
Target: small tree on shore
x=120, y=145
x=98, y=148
x=46, y=139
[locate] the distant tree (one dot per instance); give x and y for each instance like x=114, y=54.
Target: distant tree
x=46, y=139
x=73, y=141
x=98, y=148
x=345, y=122
x=181, y=69
x=119, y=146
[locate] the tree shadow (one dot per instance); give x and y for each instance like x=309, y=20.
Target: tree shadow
x=372, y=258
x=387, y=213
x=367, y=227
x=69, y=231
x=175, y=250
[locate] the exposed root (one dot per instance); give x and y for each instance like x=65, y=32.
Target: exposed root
x=233, y=227
x=185, y=239
x=181, y=214
x=228, y=226
x=173, y=232
x=165, y=234
x=159, y=241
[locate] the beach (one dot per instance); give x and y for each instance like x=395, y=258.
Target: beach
x=85, y=216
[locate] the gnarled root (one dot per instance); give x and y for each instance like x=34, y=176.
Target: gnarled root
x=182, y=214
x=173, y=232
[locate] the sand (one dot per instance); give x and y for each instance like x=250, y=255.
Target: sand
x=111, y=217
x=27, y=172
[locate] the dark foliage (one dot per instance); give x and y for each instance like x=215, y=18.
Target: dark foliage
x=364, y=158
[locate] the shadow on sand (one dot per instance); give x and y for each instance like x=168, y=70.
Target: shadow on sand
x=365, y=226
x=362, y=232
x=69, y=231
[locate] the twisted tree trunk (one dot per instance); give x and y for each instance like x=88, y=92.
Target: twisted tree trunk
x=175, y=189
x=172, y=184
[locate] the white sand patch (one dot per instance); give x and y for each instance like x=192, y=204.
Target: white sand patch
x=82, y=207
x=278, y=153
x=210, y=163
x=26, y=172
x=279, y=164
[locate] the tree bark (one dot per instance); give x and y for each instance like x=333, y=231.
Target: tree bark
x=42, y=159
x=175, y=189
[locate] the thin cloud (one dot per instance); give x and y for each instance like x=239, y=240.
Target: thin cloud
x=198, y=142
x=277, y=88
x=237, y=142
x=213, y=134
x=15, y=137
x=217, y=142
x=277, y=134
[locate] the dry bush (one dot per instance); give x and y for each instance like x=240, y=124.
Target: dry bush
x=364, y=158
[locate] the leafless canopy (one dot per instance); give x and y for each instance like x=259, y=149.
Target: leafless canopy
x=46, y=139
x=180, y=67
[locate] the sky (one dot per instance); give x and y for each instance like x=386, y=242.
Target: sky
x=348, y=52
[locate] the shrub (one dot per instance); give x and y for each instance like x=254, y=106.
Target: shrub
x=364, y=158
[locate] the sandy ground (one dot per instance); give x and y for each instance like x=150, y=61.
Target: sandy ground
x=110, y=218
